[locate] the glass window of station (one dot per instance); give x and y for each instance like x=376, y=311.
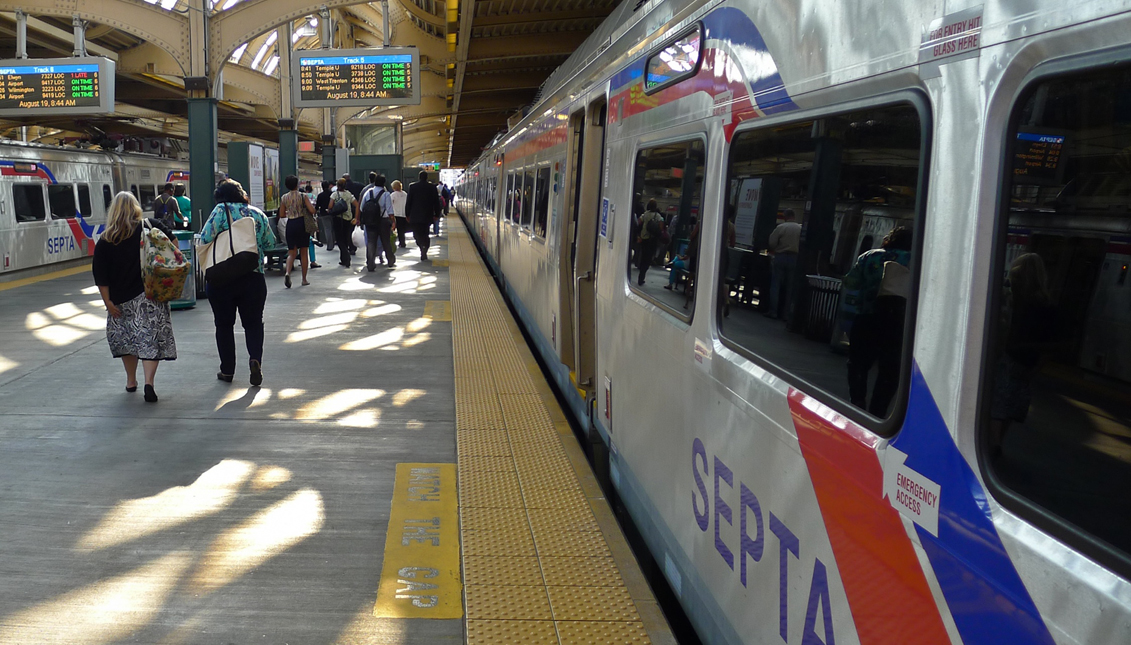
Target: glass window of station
x=818, y=254
x=1057, y=396
x=664, y=242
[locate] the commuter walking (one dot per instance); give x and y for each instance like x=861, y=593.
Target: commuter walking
x=245, y=295
x=377, y=216
x=296, y=207
x=344, y=208
x=137, y=328
x=422, y=207
x=166, y=209
x=185, y=205
x=399, y=198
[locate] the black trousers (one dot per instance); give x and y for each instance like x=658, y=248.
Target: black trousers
x=402, y=230
x=382, y=233
x=343, y=232
x=876, y=339
x=245, y=296
x=420, y=233
x=646, y=252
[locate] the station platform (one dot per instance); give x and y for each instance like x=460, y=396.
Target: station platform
x=403, y=475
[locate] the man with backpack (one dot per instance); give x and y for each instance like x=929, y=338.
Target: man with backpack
x=165, y=208
x=377, y=218
x=343, y=209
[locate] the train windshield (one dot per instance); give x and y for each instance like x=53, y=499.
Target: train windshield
x=1058, y=378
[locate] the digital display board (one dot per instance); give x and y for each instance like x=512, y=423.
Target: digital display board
x=1038, y=158
x=357, y=77
x=56, y=86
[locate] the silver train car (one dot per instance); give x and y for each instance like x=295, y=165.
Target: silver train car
x=53, y=200
x=909, y=422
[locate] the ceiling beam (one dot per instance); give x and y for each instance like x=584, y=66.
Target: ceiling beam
x=547, y=44
x=540, y=17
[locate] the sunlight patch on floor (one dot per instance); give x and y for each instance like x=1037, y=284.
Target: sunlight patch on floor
x=260, y=538
x=107, y=611
x=130, y=520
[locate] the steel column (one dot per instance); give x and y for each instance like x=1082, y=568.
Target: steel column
x=202, y=157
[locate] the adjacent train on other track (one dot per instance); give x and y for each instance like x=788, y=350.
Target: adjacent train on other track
x=933, y=443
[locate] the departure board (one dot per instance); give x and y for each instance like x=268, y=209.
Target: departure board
x=1037, y=158
x=56, y=86
x=357, y=77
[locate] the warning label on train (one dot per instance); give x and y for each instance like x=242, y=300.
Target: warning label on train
x=910, y=492
x=952, y=38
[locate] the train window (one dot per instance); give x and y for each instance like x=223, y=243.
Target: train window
x=542, y=202
x=528, y=198
x=668, y=191
x=817, y=261
x=676, y=61
x=84, y=200
x=28, y=202
x=107, y=194
x=62, y=200
x=147, y=196
x=1057, y=397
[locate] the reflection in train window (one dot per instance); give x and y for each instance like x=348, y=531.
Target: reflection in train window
x=542, y=202
x=147, y=196
x=107, y=195
x=511, y=197
x=673, y=63
x=667, y=195
x=84, y=200
x=62, y=200
x=1058, y=377
x=528, y=198
x=817, y=261
x=28, y=201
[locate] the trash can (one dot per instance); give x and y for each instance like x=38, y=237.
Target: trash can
x=188, y=296
x=824, y=305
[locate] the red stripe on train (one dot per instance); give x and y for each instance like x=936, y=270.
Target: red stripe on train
x=886, y=588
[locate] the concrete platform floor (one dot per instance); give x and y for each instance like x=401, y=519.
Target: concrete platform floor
x=222, y=513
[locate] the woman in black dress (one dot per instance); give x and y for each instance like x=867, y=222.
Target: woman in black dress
x=294, y=206
x=137, y=328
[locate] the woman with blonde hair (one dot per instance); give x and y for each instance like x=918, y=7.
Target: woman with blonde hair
x=137, y=328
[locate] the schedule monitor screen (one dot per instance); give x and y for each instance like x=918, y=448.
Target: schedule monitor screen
x=56, y=86
x=357, y=77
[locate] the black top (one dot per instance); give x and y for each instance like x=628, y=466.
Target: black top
x=118, y=266
x=355, y=188
x=422, y=204
x=323, y=202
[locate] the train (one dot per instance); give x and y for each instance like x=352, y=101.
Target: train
x=53, y=199
x=912, y=422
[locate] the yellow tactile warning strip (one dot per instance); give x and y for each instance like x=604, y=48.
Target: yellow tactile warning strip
x=537, y=568
x=438, y=310
x=420, y=577
x=12, y=284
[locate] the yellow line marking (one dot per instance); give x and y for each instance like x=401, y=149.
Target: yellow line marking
x=420, y=577
x=438, y=310
x=439, y=263
x=22, y=282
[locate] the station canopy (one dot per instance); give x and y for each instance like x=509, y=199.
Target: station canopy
x=480, y=63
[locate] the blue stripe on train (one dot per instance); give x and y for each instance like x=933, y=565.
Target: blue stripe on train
x=983, y=590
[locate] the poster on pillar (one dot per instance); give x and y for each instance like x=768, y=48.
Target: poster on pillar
x=271, y=181
x=255, y=176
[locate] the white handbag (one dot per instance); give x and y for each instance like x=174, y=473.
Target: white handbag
x=233, y=254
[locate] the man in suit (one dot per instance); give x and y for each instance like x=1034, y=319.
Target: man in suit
x=422, y=207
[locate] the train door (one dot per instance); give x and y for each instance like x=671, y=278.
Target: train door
x=586, y=210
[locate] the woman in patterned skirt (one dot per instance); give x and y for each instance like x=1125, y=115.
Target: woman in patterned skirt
x=136, y=327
